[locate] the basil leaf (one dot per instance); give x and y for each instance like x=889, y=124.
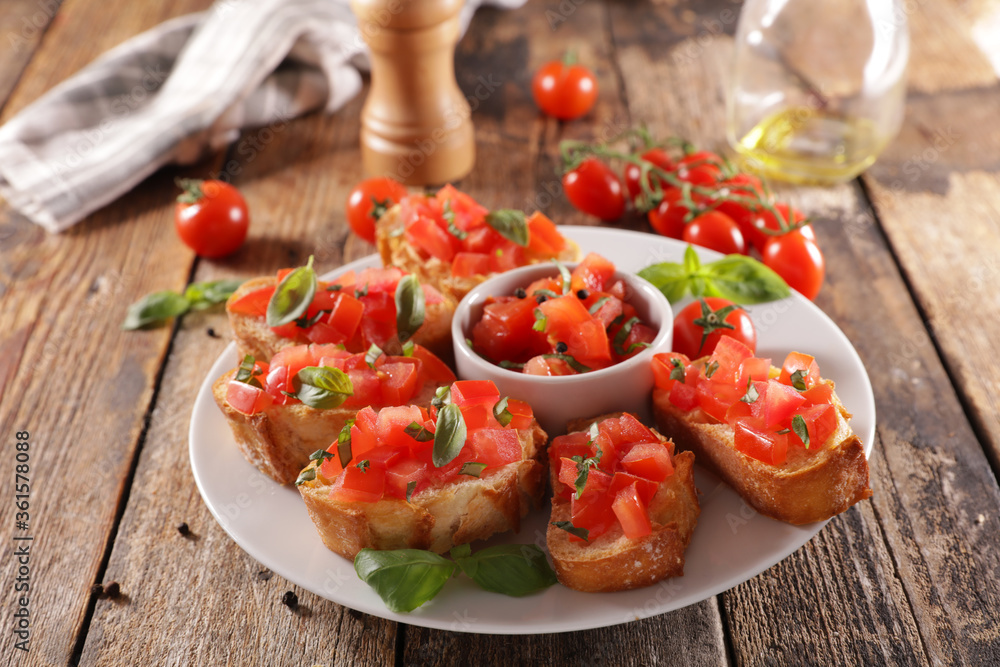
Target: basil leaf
x=449, y=435
x=622, y=335
x=460, y=551
x=668, y=277
x=409, y=347
x=363, y=465
x=678, y=372
x=509, y=569
x=372, y=355
x=692, y=263
x=510, y=365
x=410, y=307
x=154, y=308
x=596, y=306
x=418, y=432
x=510, y=224
x=540, y=320
x=502, y=414
x=404, y=578
x=411, y=486
x=566, y=278
x=752, y=394
x=322, y=387
x=449, y=217
x=798, y=379
x=583, y=466
x=344, y=444
x=801, y=430
x=292, y=297
x=547, y=293
x=205, y=294
x=742, y=279
x=245, y=372
x=568, y=526
x=472, y=468
x=711, y=368
x=442, y=397
x=573, y=363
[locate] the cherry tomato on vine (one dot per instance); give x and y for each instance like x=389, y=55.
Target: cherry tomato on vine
x=752, y=225
x=667, y=218
x=595, y=189
x=700, y=325
x=716, y=231
x=633, y=172
x=368, y=200
x=564, y=90
x=702, y=168
x=211, y=217
x=798, y=260
x=737, y=197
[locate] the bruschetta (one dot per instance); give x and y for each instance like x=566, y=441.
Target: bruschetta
x=778, y=436
x=283, y=411
x=624, y=505
x=450, y=241
x=470, y=466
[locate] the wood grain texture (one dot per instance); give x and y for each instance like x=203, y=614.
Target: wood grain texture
x=22, y=25
x=183, y=591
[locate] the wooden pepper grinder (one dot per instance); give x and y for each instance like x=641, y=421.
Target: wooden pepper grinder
x=415, y=124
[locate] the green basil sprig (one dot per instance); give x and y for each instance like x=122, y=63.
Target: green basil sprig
x=449, y=435
x=739, y=278
x=293, y=295
x=501, y=413
x=158, y=307
x=568, y=526
x=510, y=224
x=407, y=578
x=410, y=307
x=321, y=387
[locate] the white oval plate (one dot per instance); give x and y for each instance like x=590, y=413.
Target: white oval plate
x=730, y=544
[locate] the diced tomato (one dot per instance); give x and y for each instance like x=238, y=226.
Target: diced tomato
x=781, y=402
x=634, y=431
x=796, y=361
x=592, y=274
x=367, y=420
x=684, y=396
x=504, y=332
x=820, y=393
x=482, y=240
x=739, y=410
x=632, y=513
x=646, y=487
x=507, y=255
x=543, y=236
x=246, y=398
x=754, y=369
x=382, y=456
x=323, y=333
x=617, y=290
x=604, y=443
x=495, y=447
x=355, y=485
x=252, y=303
x=403, y=471
x=650, y=460
x=568, y=472
x=474, y=392
x=468, y=264
x=729, y=353
x=292, y=331
x=639, y=337
x=425, y=234
x=399, y=381
x=392, y=421
x=592, y=510
x=567, y=321
x=521, y=414
x=433, y=368
x=609, y=311
x=296, y=357
x=468, y=212
x=571, y=444
x=663, y=366
x=715, y=398
x=345, y=315
x=550, y=284
x=367, y=388
x=547, y=367
x=762, y=445
x=821, y=422
x=331, y=467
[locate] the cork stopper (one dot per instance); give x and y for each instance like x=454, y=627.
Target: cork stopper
x=415, y=124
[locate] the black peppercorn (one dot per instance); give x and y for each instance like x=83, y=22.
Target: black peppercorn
x=541, y=298
x=113, y=590
x=520, y=293
x=561, y=347
x=184, y=529
x=290, y=600
x=582, y=294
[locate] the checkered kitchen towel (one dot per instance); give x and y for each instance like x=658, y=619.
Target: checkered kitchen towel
x=175, y=92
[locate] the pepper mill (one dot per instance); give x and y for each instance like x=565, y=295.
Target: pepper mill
x=415, y=124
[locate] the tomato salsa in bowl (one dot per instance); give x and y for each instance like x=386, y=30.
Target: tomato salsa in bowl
x=573, y=341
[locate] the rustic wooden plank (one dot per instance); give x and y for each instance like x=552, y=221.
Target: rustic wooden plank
x=916, y=591
x=295, y=178
x=78, y=383
x=22, y=25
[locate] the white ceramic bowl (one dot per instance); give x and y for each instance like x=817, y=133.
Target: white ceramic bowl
x=626, y=386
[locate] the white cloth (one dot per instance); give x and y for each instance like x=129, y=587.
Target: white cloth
x=174, y=92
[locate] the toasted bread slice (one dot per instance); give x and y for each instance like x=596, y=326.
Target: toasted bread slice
x=279, y=439
x=613, y=562
x=436, y=518
x=395, y=251
x=809, y=486
x=255, y=338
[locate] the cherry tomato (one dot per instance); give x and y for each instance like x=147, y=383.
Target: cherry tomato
x=667, y=218
x=633, y=172
x=752, y=225
x=564, y=91
x=798, y=260
x=716, y=231
x=701, y=168
x=362, y=211
x=716, y=317
x=593, y=188
x=211, y=217
x=747, y=187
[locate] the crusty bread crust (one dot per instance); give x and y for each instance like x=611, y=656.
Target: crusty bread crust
x=808, y=487
x=436, y=518
x=395, y=251
x=255, y=338
x=280, y=439
x=613, y=562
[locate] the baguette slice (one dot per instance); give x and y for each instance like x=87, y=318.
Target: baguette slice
x=613, y=562
x=279, y=439
x=395, y=251
x=808, y=487
x=255, y=338
x=436, y=518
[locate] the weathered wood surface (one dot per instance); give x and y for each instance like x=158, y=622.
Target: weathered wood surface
x=910, y=577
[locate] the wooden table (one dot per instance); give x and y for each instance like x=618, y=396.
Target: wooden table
x=913, y=261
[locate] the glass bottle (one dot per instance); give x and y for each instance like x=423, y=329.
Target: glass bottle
x=817, y=87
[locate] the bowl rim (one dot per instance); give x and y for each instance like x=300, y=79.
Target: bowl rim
x=657, y=302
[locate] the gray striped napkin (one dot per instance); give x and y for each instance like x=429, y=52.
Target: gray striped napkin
x=173, y=93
